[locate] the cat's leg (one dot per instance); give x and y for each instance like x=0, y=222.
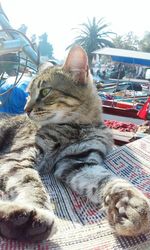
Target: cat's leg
x=24, y=206
x=127, y=208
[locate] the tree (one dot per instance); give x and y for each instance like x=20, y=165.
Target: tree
x=33, y=40
x=45, y=48
x=23, y=28
x=128, y=41
x=144, y=44
x=92, y=36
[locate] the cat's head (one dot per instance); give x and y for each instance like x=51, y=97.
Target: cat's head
x=64, y=94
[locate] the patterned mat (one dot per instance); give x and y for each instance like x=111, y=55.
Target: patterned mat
x=82, y=226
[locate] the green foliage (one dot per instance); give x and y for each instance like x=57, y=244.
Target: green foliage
x=128, y=41
x=45, y=48
x=144, y=44
x=93, y=35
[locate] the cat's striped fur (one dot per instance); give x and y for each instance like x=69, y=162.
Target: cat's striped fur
x=64, y=132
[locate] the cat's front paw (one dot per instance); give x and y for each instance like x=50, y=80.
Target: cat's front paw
x=128, y=209
x=25, y=223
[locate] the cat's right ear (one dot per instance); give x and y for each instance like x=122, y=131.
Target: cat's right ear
x=77, y=64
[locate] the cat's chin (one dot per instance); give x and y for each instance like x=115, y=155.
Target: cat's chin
x=39, y=122
x=44, y=122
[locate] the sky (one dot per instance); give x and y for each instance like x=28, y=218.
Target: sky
x=58, y=17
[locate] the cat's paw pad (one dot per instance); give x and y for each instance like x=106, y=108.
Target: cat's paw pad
x=128, y=210
x=41, y=226
x=25, y=223
x=18, y=217
x=38, y=228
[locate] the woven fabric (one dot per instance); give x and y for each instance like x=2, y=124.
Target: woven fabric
x=82, y=225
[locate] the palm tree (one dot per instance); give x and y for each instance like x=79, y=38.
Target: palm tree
x=93, y=36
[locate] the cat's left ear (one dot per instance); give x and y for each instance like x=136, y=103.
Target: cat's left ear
x=77, y=64
x=45, y=66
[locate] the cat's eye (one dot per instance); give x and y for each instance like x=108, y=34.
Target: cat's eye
x=45, y=92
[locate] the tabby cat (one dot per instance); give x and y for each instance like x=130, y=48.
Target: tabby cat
x=64, y=131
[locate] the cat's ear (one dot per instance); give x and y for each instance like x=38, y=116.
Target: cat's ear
x=45, y=66
x=77, y=64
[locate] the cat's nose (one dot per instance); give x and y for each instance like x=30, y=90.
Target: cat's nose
x=28, y=110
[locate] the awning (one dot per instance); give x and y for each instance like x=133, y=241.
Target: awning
x=125, y=56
